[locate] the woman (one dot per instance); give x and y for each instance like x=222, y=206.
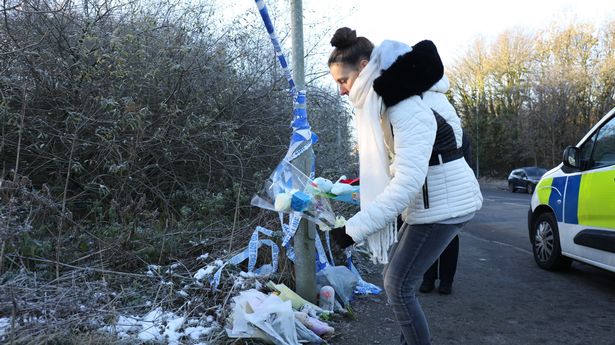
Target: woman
x=411, y=164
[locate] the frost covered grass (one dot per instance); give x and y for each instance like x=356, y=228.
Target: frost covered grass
x=162, y=304
x=121, y=294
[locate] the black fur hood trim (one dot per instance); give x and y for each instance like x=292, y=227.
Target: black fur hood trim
x=411, y=74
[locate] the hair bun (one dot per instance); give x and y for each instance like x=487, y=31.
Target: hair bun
x=344, y=37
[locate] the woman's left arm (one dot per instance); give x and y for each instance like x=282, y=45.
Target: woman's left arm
x=414, y=126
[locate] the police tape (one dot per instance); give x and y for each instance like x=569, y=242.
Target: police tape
x=251, y=254
x=302, y=137
x=291, y=228
x=321, y=258
x=264, y=12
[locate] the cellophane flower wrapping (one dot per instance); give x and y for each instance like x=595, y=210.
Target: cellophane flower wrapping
x=289, y=190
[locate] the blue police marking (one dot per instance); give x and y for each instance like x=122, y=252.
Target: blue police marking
x=571, y=200
x=559, y=184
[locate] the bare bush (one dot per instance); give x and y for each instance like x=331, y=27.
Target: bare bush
x=133, y=133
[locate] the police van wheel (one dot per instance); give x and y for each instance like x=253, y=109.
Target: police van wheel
x=546, y=245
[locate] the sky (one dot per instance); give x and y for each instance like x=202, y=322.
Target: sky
x=451, y=25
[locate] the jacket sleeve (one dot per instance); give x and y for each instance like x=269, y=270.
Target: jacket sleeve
x=414, y=127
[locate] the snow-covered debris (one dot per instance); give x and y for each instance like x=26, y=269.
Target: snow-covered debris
x=204, y=272
x=161, y=326
x=208, y=270
x=247, y=274
x=172, y=268
x=153, y=270
x=5, y=323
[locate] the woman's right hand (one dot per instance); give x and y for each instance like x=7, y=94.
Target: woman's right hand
x=341, y=238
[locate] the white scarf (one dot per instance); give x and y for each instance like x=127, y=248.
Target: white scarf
x=373, y=154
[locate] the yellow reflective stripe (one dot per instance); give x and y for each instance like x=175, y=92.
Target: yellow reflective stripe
x=585, y=200
x=544, y=190
x=597, y=199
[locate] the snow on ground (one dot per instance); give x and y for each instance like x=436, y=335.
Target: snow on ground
x=5, y=323
x=204, y=272
x=168, y=327
x=158, y=325
x=207, y=271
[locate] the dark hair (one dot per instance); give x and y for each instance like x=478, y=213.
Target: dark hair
x=349, y=49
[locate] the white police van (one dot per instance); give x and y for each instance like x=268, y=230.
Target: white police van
x=572, y=214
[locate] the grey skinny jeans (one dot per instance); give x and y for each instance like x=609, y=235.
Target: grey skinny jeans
x=417, y=248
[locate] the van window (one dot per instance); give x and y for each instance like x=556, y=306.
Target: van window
x=604, y=147
x=585, y=153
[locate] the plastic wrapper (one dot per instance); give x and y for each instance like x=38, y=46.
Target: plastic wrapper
x=264, y=317
x=320, y=328
x=288, y=190
x=305, y=335
x=339, y=222
x=363, y=287
x=286, y=294
x=239, y=326
x=276, y=319
x=341, y=279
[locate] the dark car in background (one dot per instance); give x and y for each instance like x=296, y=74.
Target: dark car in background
x=525, y=179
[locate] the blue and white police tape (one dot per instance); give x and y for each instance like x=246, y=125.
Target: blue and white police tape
x=290, y=229
x=250, y=253
x=262, y=9
x=303, y=137
x=328, y=240
x=321, y=258
x=253, y=246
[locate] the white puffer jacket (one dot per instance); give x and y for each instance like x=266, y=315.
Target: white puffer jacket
x=452, y=188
